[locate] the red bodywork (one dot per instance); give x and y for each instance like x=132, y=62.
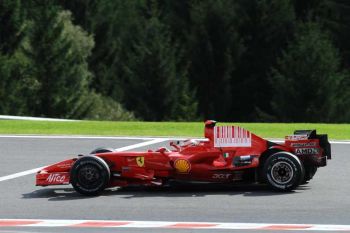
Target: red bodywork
x=228, y=154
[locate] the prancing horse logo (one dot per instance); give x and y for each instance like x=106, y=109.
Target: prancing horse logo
x=140, y=161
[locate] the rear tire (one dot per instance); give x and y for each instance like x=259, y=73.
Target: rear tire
x=90, y=175
x=283, y=171
x=310, y=171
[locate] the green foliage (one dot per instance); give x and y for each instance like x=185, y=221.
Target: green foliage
x=177, y=15
x=116, y=26
x=95, y=107
x=214, y=48
x=308, y=77
x=186, y=106
x=334, y=15
x=176, y=60
x=307, y=10
x=83, y=11
x=12, y=25
x=154, y=82
x=17, y=86
x=58, y=51
x=267, y=26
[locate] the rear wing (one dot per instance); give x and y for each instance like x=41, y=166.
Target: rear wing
x=312, y=134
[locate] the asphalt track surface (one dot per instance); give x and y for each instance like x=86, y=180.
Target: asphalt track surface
x=325, y=200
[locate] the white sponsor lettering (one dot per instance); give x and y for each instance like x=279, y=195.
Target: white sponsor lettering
x=303, y=144
x=296, y=137
x=307, y=151
x=56, y=178
x=65, y=165
x=221, y=176
x=232, y=136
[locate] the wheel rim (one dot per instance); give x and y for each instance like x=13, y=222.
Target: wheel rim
x=88, y=176
x=282, y=172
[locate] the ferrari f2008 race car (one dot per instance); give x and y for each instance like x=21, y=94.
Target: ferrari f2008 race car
x=228, y=154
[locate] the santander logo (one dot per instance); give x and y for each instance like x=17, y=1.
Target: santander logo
x=56, y=178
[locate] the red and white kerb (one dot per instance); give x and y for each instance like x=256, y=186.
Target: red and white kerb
x=168, y=225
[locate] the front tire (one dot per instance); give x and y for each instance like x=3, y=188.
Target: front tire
x=101, y=150
x=283, y=171
x=90, y=175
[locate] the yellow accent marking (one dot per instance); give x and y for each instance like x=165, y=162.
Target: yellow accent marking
x=140, y=161
x=182, y=166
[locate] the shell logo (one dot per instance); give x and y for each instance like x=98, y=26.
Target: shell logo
x=182, y=166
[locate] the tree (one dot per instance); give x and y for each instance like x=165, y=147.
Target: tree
x=177, y=15
x=97, y=107
x=83, y=11
x=115, y=25
x=266, y=27
x=155, y=84
x=307, y=10
x=58, y=51
x=334, y=16
x=214, y=48
x=12, y=25
x=308, y=80
x=17, y=85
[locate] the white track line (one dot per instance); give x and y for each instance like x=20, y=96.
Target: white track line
x=78, y=137
x=332, y=141
x=27, y=118
x=133, y=138
x=168, y=225
x=339, y=142
x=19, y=174
x=154, y=141
x=96, y=137
x=28, y=172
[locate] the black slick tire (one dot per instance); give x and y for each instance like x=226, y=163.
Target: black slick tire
x=90, y=175
x=101, y=150
x=283, y=171
x=310, y=171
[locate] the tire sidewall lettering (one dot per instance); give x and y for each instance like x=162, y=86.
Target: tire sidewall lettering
x=292, y=162
x=82, y=163
x=100, y=184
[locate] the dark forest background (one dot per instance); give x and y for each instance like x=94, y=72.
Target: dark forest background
x=178, y=60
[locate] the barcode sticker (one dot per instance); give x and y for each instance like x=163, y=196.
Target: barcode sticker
x=232, y=136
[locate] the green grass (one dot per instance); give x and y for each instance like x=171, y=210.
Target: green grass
x=270, y=130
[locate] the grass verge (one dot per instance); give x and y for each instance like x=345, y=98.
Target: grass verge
x=186, y=129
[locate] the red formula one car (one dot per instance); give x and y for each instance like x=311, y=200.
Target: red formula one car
x=229, y=154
